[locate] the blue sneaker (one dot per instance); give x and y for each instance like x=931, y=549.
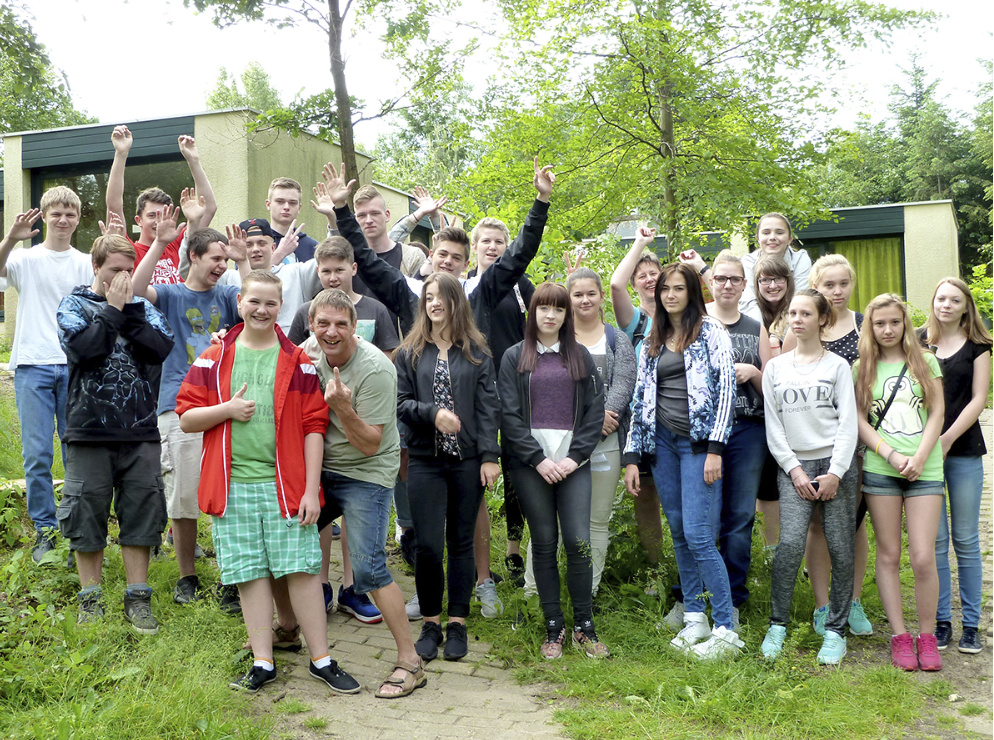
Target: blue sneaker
x=819, y=618
x=329, y=596
x=358, y=605
x=858, y=623
x=773, y=642
x=833, y=649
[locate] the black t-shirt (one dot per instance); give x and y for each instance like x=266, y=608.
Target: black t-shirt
x=392, y=257
x=744, y=334
x=957, y=386
x=507, y=323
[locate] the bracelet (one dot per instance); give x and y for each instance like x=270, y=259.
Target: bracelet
x=876, y=450
x=703, y=270
x=888, y=456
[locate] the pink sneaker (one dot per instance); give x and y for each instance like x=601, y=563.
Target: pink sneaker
x=902, y=652
x=928, y=653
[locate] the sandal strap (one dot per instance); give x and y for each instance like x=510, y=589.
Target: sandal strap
x=412, y=668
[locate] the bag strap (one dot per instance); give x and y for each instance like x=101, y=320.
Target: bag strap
x=893, y=395
x=609, y=334
x=639, y=334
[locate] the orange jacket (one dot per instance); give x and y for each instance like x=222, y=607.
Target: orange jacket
x=298, y=406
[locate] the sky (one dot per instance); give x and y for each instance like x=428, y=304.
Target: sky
x=138, y=60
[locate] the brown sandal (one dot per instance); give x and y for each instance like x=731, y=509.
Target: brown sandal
x=415, y=679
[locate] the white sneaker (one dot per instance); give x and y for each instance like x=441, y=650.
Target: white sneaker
x=673, y=621
x=491, y=605
x=722, y=643
x=696, y=629
x=413, y=608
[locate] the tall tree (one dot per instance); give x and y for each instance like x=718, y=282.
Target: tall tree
x=407, y=35
x=257, y=90
x=691, y=113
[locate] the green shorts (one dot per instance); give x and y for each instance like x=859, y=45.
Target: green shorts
x=253, y=540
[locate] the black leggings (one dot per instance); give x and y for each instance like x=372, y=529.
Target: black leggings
x=445, y=494
x=568, y=502
x=513, y=514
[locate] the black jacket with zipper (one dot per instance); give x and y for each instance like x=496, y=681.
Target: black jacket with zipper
x=515, y=395
x=474, y=397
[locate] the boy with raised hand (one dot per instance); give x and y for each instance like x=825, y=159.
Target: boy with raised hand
x=336, y=268
x=152, y=201
x=450, y=252
x=284, y=201
x=42, y=275
x=195, y=309
x=116, y=345
x=257, y=400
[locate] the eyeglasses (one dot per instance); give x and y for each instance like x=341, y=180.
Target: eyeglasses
x=733, y=279
x=771, y=281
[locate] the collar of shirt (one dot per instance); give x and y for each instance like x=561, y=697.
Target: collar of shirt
x=542, y=349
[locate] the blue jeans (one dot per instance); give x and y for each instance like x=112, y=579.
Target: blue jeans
x=366, y=507
x=693, y=510
x=742, y=469
x=965, y=481
x=40, y=392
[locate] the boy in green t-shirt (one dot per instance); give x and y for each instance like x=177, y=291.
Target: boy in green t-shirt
x=258, y=401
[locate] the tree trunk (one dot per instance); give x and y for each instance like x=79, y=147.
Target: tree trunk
x=342, y=102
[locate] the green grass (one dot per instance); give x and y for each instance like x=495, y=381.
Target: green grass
x=972, y=710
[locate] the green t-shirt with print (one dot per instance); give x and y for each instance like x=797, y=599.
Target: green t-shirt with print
x=904, y=424
x=253, y=442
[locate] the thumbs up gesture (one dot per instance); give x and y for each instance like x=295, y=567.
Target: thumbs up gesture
x=337, y=395
x=240, y=408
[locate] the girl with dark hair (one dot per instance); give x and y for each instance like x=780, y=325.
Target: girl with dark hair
x=447, y=397
x=775, y=238
x=962, y=346
x=900, y=400
x=553, y=415
x=681, y=418
x=811, y=431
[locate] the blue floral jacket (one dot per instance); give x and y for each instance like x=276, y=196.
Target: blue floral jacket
x=710, y=390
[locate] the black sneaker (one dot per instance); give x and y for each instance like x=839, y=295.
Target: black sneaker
x=138, y=611
x=337, y=679
x=428, y=642
x=187, y=590
x=943, y=634
x=44, y=544
x=91, y=608
x=456, y=641
x=229, y=600
x=515, y=569
x=970, y=642
x=255, y=679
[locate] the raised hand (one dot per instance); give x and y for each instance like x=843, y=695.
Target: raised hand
x=543, y=180
x=122, y=139
x=188, y=148
x=324, y=204
x=572, y=266
x=427, y=206
x=237, y=248
x=115, y=226
x=337, y=395
x=166, y=229
x=23, y=222
x=288, y=244
x=193, y=207
x=334, y=180
x=644, y=236
x=119, y=292
x=240, y=408
x=692, y=258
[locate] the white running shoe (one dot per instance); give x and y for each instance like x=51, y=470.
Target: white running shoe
x=696, y=628
x=722, y=643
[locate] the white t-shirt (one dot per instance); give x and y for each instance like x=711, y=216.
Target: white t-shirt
x=42, y=278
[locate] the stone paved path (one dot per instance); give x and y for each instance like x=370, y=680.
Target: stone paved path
x=475, y=697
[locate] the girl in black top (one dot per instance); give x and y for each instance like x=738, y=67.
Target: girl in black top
x=446, y=395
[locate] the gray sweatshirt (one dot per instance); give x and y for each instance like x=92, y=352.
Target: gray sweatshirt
x=810, y=412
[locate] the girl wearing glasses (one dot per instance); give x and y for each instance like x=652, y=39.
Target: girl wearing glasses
x=745, y=451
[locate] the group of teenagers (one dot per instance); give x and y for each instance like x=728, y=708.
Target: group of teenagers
x=316, y=382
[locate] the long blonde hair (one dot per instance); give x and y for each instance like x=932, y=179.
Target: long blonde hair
x=461, y=324
x=869, y=354
x=971, y=320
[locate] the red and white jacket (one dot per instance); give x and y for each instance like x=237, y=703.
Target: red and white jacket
x=299, y=409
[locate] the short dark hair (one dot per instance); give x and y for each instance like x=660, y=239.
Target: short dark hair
x=333, y=298
x=335, y=247
x=200, y=241
x=152, y=195
x=455, y=235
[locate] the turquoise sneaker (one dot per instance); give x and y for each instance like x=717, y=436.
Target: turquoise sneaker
x=833, y=649
x=819, y=618
x=858, y=623
x=773, y=642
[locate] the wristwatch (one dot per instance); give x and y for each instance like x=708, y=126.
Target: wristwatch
x=702, y=270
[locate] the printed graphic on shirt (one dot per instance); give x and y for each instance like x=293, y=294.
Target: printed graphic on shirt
x=200, y=331
x=797, y=395
x=904, y=416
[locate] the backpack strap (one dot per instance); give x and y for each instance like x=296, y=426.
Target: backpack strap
x=609, y=332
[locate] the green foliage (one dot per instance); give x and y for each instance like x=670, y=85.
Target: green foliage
x=259, y=92
x=981, y=287
x=686, y=113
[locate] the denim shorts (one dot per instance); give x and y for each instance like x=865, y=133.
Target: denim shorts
x=366, y=507
x=253, y=539
x=895, y=485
